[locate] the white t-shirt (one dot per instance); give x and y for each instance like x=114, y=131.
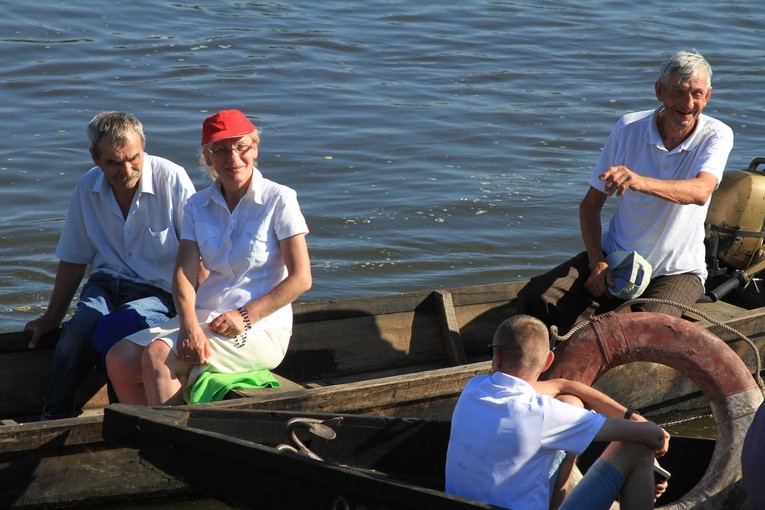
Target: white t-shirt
x=505, y=437
x=141, y=248
x=241, y=248
x=670, y=236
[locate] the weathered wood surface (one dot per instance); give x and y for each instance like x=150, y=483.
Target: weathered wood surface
x=332, y=340
x=372, y=463
x=67, y=463
x=339, y=348
x=428, y=394
x=25, y=377
x=391, y=463
x=42, y=462
x=394, y=355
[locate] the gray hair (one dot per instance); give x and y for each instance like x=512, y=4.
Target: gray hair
x=686, y=65
x=114, y=127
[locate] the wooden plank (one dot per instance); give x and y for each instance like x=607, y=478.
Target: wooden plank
x=386, y=396
x=59, y=433
x=95, y=473
x=450, y=332
x=391, y=451
x=747, y=322
x=405, y=450
x=24, y=383
x=491, y=293
x=718, y=310
x=359, y=307
x=376, y=305
x=353, y=345
x=19, y=340
x=286, y=386
x=69, y=463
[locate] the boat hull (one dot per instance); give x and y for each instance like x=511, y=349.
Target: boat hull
x=402, y=355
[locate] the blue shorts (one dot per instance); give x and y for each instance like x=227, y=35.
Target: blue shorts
x=597, y=490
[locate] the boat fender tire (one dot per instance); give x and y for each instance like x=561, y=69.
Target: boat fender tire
x=726, y=382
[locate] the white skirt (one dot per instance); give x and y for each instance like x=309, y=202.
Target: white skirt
x=252, y=350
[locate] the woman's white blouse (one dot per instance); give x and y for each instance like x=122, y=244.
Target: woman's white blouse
x=241, y=248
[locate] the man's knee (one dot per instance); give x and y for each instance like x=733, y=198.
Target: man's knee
x=628, y=456
x=524, y=296
x=115, y=326
x=532, y=299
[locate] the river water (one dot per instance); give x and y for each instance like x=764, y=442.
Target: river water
x=433, y=144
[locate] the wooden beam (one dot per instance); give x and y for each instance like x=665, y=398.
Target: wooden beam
x=450, y=330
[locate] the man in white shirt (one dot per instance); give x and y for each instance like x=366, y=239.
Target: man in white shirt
x=508, y=427
x=123, y=223
x=663, y=165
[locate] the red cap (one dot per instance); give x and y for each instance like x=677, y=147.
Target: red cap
x=225, y=124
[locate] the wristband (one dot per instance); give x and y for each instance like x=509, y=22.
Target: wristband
x=628, y=413
x=245, y=317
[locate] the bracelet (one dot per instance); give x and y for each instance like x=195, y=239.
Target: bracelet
x=245, y=317
x=628, y=413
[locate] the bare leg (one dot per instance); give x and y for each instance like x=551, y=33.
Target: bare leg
x=561, y=488
x=635, y=462
x=123, y=364
x=164, y=375
x=567, y=466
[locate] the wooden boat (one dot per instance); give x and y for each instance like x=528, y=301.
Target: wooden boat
x=270, y=459
x=405, y=355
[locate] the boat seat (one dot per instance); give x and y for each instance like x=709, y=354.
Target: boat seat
x=285, y=385
x=718, y=310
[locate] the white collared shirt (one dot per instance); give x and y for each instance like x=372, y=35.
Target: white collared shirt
x=670, y=236
x=505, y=437
x=241, y=248
x=141, y=248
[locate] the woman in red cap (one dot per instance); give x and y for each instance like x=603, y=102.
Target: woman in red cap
x=234, y=313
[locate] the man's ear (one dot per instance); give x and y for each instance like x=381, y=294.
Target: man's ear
x=550, y=358
x=496, y=360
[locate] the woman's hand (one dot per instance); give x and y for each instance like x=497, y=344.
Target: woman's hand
x=193, y=345
x=230, y=323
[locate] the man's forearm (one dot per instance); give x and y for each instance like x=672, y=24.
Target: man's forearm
x=590, y=397
x=68, y=279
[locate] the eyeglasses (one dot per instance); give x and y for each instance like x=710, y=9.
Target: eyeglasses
x=491, y=348
x=225, y=150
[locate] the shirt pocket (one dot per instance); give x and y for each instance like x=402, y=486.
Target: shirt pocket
x=158, y=235
x=156, y=244
x=209, y=241
x=259, y=245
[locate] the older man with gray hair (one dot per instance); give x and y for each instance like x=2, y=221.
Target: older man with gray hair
x=123, y=223
x=663, y=165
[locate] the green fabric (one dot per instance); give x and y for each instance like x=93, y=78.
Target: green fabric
x=213, y=386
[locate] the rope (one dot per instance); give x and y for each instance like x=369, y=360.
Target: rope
x=757, y=358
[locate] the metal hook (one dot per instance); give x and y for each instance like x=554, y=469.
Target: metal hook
x=317, y=427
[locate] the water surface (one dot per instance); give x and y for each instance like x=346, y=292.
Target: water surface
x=432, y=145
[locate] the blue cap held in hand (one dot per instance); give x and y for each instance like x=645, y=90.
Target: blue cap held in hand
x=631, y=274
